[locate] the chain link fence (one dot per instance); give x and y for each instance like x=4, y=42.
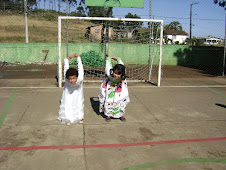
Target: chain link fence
x=204, y=58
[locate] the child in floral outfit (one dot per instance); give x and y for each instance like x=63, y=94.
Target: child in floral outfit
x=114, y=95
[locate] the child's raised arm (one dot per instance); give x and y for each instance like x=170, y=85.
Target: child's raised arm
x=80, y=66
x=66, y=66
x=118, y=60
x=80, y=69
x=73, y=56
x=108, y=66
x=66, y=62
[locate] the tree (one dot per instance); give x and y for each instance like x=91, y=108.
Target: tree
x=15, y=4
x=97, y=11
x=175, y=25
x=221, y=3
x=81, y=11
x=92, y=11
x=71, y=3
x=131, y=24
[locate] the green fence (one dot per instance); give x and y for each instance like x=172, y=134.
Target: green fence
x=130, y=53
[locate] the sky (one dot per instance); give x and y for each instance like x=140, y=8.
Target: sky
x=208, y=19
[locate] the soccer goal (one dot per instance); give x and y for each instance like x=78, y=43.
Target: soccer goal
x=138, y=42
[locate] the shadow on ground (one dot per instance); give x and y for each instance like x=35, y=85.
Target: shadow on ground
x=95, y=105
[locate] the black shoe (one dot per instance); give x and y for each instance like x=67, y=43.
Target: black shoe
x=107, y=119
x=123, y=119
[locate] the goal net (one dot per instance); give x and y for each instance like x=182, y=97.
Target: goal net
x=138, y=42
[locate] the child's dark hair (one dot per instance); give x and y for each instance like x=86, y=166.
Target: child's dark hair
x=120, y=69
x=71, y=72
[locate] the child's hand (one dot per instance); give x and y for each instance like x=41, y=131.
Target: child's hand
x=114, y=58
x=73, y=56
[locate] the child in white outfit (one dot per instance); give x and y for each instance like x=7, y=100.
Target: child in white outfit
x=72, y=101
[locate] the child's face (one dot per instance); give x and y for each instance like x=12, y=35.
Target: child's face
x=116, y=75
x=72, y=79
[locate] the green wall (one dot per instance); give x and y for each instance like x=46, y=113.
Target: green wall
x=130, y=53
x=26, y=53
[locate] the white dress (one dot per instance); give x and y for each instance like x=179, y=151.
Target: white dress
x=114, y=95
x=72, y=101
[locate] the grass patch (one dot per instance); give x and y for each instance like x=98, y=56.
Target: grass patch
x=42, y=27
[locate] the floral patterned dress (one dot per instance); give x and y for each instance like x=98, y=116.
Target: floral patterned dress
x=114, y=95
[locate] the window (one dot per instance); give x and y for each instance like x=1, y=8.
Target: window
x=97, y=30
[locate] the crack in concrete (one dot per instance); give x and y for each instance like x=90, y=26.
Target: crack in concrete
x=84, y=143
x=145, y=107
x=35, y=93
x=22, y=116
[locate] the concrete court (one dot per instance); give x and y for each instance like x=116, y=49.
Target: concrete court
x=187, y=124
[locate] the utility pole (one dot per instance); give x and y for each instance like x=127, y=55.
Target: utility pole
x=26, y=25
x=223, y=71
x=58, y=5
x=109, y=14
x=190, y=42
x=150, y=41
x=67, y=11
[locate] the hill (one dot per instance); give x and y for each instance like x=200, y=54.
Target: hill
x=42, y=27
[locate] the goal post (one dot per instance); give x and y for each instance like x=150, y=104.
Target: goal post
x=138, y=42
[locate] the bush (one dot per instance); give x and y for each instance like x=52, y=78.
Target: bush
x=92, y=59
x=50, y=17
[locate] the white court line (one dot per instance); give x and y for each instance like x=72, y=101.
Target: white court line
x=97, y=87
